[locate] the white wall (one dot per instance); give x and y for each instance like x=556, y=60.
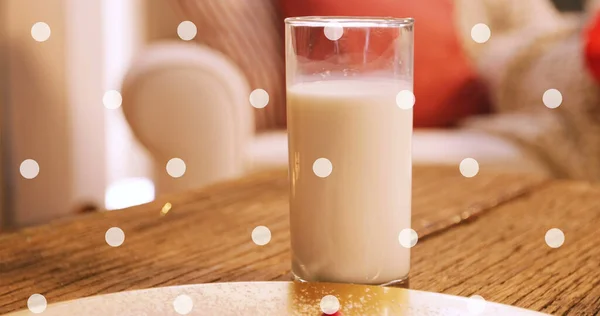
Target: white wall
x=124, y=35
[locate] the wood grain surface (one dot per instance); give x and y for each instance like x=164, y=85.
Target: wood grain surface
x=481, y=235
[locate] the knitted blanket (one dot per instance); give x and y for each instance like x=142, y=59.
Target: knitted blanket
x=520, y=63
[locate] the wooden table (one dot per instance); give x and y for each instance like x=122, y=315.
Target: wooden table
x=481, y=235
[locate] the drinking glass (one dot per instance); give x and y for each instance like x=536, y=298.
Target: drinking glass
x=349, y=116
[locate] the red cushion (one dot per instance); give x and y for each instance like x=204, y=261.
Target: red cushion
x=446, y=87
x=592, y=47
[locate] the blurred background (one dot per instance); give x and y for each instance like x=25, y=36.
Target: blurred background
x=52, y=105
x=99, y=97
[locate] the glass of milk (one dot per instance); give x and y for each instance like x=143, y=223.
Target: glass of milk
x=349, y=117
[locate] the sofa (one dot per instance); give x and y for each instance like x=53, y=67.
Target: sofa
x=189, y=101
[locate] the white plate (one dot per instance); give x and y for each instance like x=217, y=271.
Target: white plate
x=276, y=298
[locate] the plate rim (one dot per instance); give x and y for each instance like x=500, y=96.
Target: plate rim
x=200, y=285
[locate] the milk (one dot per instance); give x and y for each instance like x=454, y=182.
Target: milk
x=345, y=227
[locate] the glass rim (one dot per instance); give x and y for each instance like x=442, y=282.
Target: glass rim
x=349, y=21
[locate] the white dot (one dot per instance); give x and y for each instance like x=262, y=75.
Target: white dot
x=481, y=33
x=259, y=98
x=330, y=304
x=183, y=304
x=40, y=31
x=469, y=167
x=322, y=167
x=552, y=98
x=408, y=238
x=187, y=30
x=261, y=235
x=37, y=303
x=114, y=236
x=176, y=167
x=334, y=31
x=29, y=169
x=112, y=99
x=405, y=99
x=476, y=305
x=554, y=238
